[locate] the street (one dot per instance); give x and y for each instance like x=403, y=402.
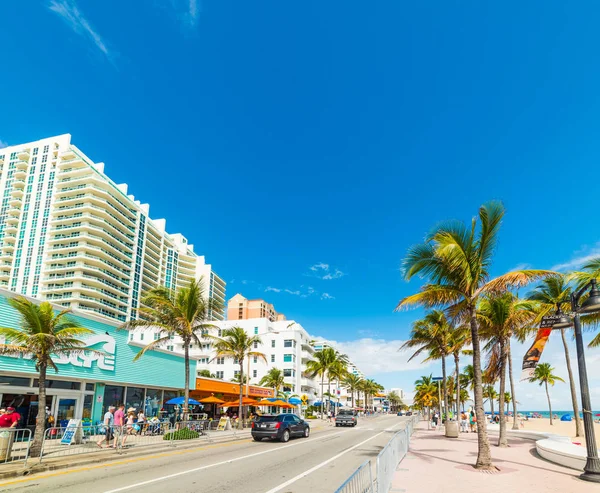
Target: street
x=320, y=463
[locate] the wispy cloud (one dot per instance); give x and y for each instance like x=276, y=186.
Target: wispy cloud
x=3, y=144
x=70, y=13
x=582, y=257
x=522, y=266
x=302, y=292
x=187, y=12
x=327, y=296
x=269, y=288
x=295, y=293
x=325, y=271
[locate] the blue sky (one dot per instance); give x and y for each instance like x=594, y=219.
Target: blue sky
x=280, y=136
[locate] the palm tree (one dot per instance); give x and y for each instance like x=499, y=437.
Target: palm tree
x=325, y=360
x=426, y=393
x=183, y=313
x=395, y=401
x=338, y=371
x=235, y=343
x=44, y=335
x=274, y=378
x=351, y=382
x=238, y=379
x=459, y=338
x=432, y=334
x=467, y=377
x=543, y=374
x=206, y=374
x=549, y=295
x=490, y=394
x=507, y=399
x=501, y=316
x=456, y=260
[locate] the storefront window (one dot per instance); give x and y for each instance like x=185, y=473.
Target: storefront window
x=89, y=387
x=59, y=384
x=87, y=408
x=153, y=402
x=16, y=381
x=135, y=398
x=113, y=396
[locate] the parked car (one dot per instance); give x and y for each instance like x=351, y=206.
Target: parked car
x=409, y=413
x=346, y=417
x=280, y=427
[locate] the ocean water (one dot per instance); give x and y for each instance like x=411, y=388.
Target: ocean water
x=546, y=414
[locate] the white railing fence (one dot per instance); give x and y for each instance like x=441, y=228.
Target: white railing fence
x=361, y=481
x=14, y=445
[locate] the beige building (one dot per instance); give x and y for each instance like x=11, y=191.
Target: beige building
x=240, y=308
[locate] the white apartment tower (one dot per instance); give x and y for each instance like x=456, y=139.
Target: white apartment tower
x=69, y=234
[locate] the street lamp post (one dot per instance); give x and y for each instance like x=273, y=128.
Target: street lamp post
x=590, y=305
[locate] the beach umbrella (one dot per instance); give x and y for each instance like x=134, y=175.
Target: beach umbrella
x=246, y=401
x=181, y=400
x=212, y=400
x=295, y=401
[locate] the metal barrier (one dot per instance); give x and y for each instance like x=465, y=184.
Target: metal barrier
x=360, y=482
x=392, y=454
x=14, y=445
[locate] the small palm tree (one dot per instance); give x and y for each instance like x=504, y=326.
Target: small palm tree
x=543, y=374
x=206, y=374
x=44, y=334
x=236, y=344
x=426, y=393
x=490, y=394
x=274, y=379
x=184, y=313
x=324, y=361
x=351, y=382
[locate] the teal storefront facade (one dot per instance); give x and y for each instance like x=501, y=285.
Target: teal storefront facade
x=86, y=385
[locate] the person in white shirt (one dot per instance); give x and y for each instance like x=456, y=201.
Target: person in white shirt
x=108, y=426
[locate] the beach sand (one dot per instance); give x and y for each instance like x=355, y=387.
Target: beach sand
x=566, y=428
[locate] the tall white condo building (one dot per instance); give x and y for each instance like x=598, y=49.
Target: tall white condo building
x=70, y=235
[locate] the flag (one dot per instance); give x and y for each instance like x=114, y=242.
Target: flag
x=533, y=355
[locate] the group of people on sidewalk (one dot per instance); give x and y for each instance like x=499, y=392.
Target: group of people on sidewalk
x=467, y=420
x=128, y=424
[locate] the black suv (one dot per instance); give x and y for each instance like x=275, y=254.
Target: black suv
x=281, y=427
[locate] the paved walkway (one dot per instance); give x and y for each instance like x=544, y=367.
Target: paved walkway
x=439, y=464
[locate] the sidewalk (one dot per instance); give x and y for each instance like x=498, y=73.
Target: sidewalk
x=436, y=463
x=95, y=456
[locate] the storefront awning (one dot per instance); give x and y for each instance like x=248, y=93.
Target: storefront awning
x=205, y=387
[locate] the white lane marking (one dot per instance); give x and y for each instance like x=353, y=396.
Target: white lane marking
x=319, y=466
x=277, y=449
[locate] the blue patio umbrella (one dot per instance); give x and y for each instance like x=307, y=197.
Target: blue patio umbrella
x=180, y=401
x=295, y=401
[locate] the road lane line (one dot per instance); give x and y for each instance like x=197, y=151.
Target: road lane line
x=319, y=466
x=216, y=464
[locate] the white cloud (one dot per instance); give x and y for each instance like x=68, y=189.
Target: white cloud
x=70, y=13
x=276, y=290
x=187, y=12
x=323, y=271
x=376, y=356
x=327, y=296
x=523, y=266
x=3, y=144
x=583, y=256
x=295, y=293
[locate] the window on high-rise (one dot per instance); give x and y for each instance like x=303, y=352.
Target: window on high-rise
x=272, y=358
x=287, y=358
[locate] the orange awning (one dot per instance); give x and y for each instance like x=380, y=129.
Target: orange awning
x=277, y=403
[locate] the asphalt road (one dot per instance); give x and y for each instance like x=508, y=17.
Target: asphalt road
x=320, y=463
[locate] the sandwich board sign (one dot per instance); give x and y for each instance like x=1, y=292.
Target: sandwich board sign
x=72, y=432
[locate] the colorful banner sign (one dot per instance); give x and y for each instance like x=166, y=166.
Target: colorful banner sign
x=533, y=355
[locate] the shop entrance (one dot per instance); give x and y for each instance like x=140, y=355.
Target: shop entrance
x=63, y=409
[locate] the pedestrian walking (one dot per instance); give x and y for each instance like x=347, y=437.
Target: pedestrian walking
x=472, y=421
x=435, y=419
x=329, y=416
x=108, y=422
x=10, y=418
x=463, y=422
x=119, y=422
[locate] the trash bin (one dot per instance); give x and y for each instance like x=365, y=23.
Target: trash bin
x=6, y=441
x=451, y=429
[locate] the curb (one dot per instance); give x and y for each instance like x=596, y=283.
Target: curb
x=48, y=466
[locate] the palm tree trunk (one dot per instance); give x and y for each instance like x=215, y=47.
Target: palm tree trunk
x=502, y=439
x=40, y=423
x=572, y=385
x=513, y=396
x=322, y=384
x=241, y=409
x=445, y=388
x=484, y=455
x=329, y=391
x=352, y=396
x=457, y=365
x=186, y=395
x=491, y=406
x=549, y=403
